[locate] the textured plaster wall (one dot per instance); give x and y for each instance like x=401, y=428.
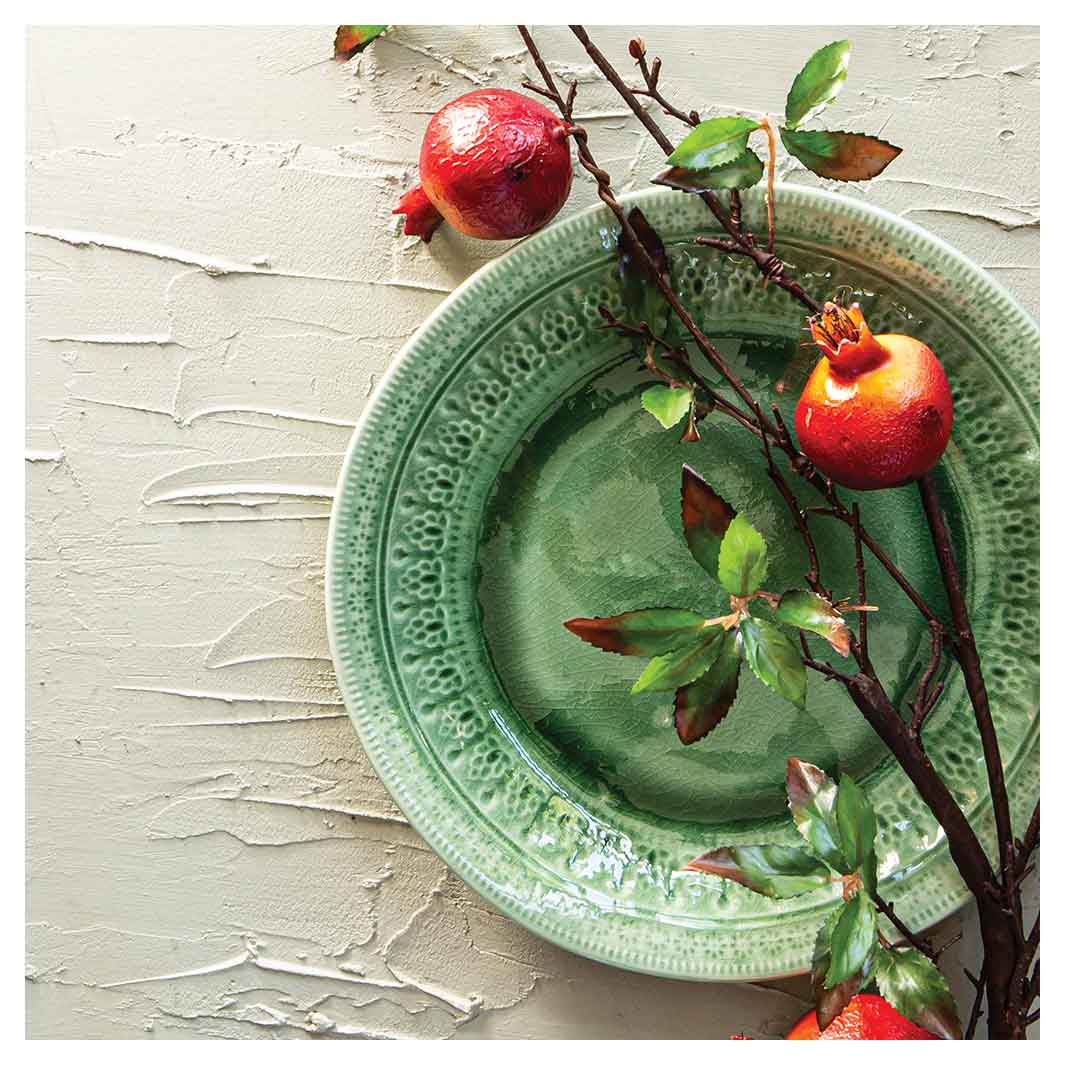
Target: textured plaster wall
x=215, y=286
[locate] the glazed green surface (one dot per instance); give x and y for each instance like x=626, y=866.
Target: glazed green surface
x=505, y=479
x=585, y=521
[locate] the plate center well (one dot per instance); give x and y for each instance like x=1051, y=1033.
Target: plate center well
x=585, y=521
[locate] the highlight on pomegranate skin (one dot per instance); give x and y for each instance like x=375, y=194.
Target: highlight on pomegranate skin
x=494, y=164
x=876, y=411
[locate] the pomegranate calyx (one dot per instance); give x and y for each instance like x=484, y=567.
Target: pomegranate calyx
x=422, y=217
x=846, y=339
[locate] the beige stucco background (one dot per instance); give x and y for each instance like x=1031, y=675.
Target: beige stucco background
x=215, y=286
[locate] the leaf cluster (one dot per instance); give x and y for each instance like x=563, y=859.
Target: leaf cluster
x=838, y=827
x=716, y=155
x=700, y=658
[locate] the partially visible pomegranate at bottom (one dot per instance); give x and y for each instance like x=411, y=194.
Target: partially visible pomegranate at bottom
x=864, y=1017
x=876, y=412
x=494, y=164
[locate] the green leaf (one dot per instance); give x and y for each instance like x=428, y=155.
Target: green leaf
x=774, y=659
x=742, y=564
x=917, y=989
x=705, y=517
x=713, y=143
x=818, y=83
x=640, y=632
x=837, y=155
x=812, y=800
x=701, y=706
x=682, y=666
x=741, y=173
x=639, y=290
x=853, y=939
x=667, y=404
x=829, y=1002
x=350, y=40
x=857, y=828
x=807, y=610
x=779, y=872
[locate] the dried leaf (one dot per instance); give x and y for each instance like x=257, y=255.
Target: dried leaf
x=775, y=871
x=638, y=284
x=645, y=633
x=701, y=706
x=705, y=517
x=837, y=155
x=351, y=40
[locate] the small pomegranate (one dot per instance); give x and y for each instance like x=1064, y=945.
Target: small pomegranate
x=876, y=411
x=494, y=164
x=864, y=1017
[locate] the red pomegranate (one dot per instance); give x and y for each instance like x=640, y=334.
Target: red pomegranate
x=864, y=1017
x=494, y=163
x=876, y=411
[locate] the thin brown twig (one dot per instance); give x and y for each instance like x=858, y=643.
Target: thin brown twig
x=925, y=698
x=969, y=660
x=863, y=687
x=770, y=266
x=859, y=573
x=767, y=262
x=977, y=1012
x=888, y=910
x=650, y=80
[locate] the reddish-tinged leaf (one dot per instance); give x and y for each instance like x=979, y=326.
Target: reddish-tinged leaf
x=812, y=799
x=837, y=155
x=350, y=40
x=810, y=611
x=779, y=872
x=701, y=706
x=705, y=517
x=640, y=632
x=648, y=236
x=829, y=1002
x=741, y=173
x=638, y=284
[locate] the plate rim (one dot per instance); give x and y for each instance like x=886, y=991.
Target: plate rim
x=793, y=196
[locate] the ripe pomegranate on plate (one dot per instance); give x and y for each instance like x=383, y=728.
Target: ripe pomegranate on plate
x=494, y=164
x=864, y=1017
x=876, y=411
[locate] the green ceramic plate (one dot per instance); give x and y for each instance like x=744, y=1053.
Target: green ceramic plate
x=505, y=478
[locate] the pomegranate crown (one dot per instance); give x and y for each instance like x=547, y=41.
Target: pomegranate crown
x=845, y=337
